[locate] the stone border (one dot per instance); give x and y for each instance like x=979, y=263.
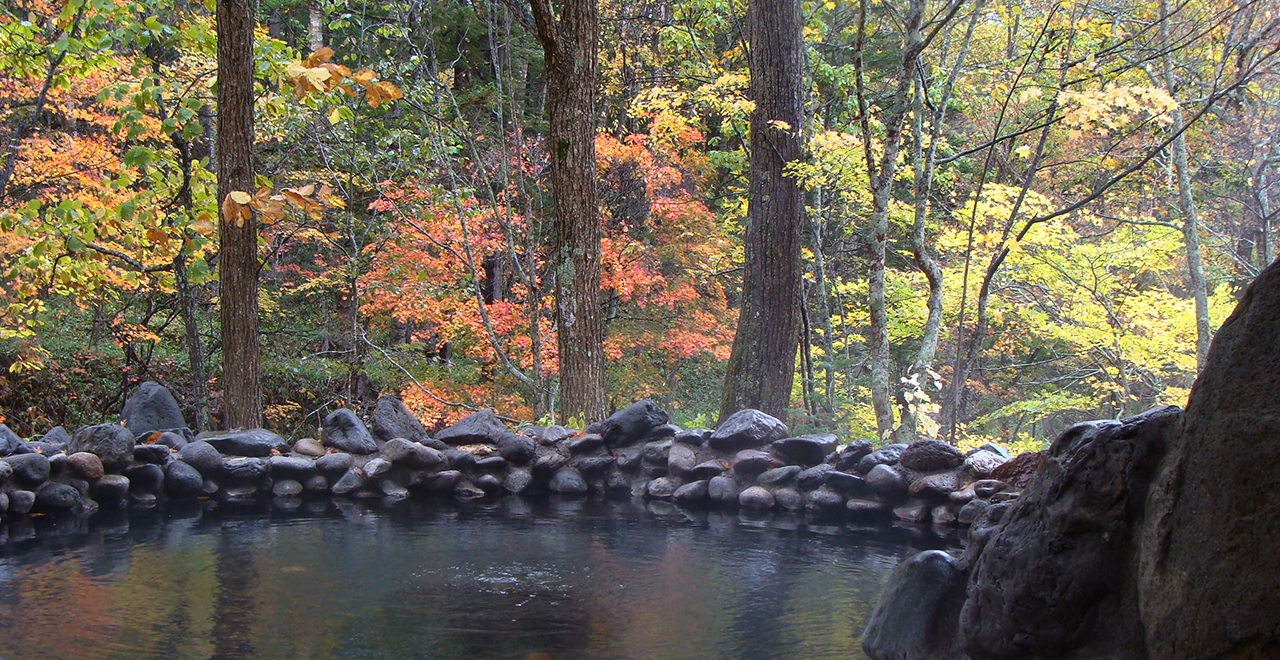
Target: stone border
x=750, y=462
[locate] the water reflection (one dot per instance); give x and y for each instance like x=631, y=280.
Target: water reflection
x=562, y=579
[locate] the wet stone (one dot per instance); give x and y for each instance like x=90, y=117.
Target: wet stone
x=157, y=454
x=489, y=483
x=629, y=459
x=394, y=490
x=292, y=466
x=747, y=429
x=594, y=464
x=350, y=482
x=756, y=497
x=749, y=462
x=778, y=475
x=695, y=491
x=681, y=459
x=584, y=443
x=110, y=488
x=845, y=482
x=491, y=463
x=930, y=456
x=21, y=501
x=286, y=488
x=722, y=489
x=567, y=481
x=182, y=480
x=245, y=469
x=865, y=507
x=656, y=452
x=316, y=484
x=912, y=511
x=813, y=477
x=824, y=499
x=886, y=480
x=145, y=478
x=309, y=447
x=201, y=456
x=693, y=437
x=707, y=470
x=663, y=487
x=517, y=481
x=987, y=487
x=28, y=469
x=56, y=498
x=459, y=459
x=334, y=464
x=788, y=498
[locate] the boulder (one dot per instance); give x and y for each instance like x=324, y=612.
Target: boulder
x=109, y=442
x=1069, y=535
x=151, y=408
x=257, y=443
x=1017, y=471
x=663, y=488
x=693, y=437
x=9, y=441
x=1210, y=571
x=156, y=454
x=201, y=456
x=344, y=431
x=681, y=459
x=848, y=456
x=294, y=467
x=390, y=420
x=56, y=436
x=517, y=481
x=56, y=498
x=886, y=480
x=694, y=491
x=29, y=470
x=308, y=447
x=750, y=462
x=405, y=452
x=930, y=456
x=517, y=449
x=478, y=427
x=777, y=476
x=84, y=465
x=567, y=481
x=788, y=498
x=723, y=489
x=631, y=424
x=886, y=455
x=182, y=480
x=979, y=464
x=805, y=450
x=245, y=469
x=915, y=618
x=747, y=429
x=145, y=477
x=756, y=497
x=938, y=484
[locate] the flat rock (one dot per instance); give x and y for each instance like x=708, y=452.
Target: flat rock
x=351, y=481
x=344, y=431
x=157, y=454
x=151, y=408
x=630, y=425
x=393, y=490
x=110, y=488
x=805, y=450
x=813, y=477
x=583, y=443
x=656, y=452
x=295, y=467
x=245, y=469
x=491, y=463
x=390, y=420
x=747, y=429
x=376, y=468
x=845, y=482
x=111, y=443
x=886, y=455
x=848, y=456
x=258, y=443
x=593, y=464
x=750, y=462
x=756, y=497
x=694, y=491
x=862, y=507
x=971, y=511
x=334, y=464
x=550, y=435
x=309, y=447
x=939, y=484
x=930, y=456
x=988, y=487
x=478, y=427
x=628, y=459
x=708, y=469
x=823, y=499
x=405, y=452
x=912, y=511
x=778, y=475
x=145, y=478
x=915, y=618
x=979, y=464
x=693, y=437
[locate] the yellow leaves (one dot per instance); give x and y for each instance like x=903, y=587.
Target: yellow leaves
x=318, y=74
x=240, y=206
x=1115, y=107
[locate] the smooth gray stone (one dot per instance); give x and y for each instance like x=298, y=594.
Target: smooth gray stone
x=916, y=616
x=344, y=431
x=151, y=408
x=778, y=476
x=201, y=456
x=182, y=480
x=756, y=497
x=747, y=429
x=258, y=443
x=109, y=442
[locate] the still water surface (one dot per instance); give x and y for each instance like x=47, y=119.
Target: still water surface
x=562, y=580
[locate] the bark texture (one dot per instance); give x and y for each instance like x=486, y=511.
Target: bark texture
x=238, y=260
x=569, y=49
x=762, y=365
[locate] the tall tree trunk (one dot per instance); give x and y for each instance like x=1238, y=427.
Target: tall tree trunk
x=238, y=260
x=569, y=49
x=762, y=364
x=1186, y=203
x=882, y=177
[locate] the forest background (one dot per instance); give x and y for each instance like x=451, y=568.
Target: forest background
x=1019, y=214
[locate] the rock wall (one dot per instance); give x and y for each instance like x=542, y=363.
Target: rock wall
x=1149, y=537
x=750, y=461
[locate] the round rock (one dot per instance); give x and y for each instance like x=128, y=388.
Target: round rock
x=110, y=488
x=567, y=481
x=930, y=456
x=886, y=480
x=695, y=491
x=750, y=462
x=109, y=442
x=56, y=498
x=723, y=489
x=756, y=497
x=747, y=429
x=201, y=456
x=28, y=469
x=182, y=480
x=517, y=449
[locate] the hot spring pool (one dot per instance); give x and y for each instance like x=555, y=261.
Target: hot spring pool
x=560, y=579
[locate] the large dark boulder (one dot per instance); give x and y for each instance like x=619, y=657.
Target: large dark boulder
x=1057, y=575
x=481, y=427
x=747, y=429
x=344, y=431
x=56, y=436
x=930, y=456
x=1017, y=471
x=631, y=424
x=916, y=616
x=517, y=449
x=201, y=456
x=9, y=441
x=392, y=420
x=1210, y=569
x=29, y=470
x=253, y=442
x=804, y=450
x=109, y=442
x=151, y=408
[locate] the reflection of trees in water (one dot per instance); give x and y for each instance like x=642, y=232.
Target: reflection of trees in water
x=234, y=611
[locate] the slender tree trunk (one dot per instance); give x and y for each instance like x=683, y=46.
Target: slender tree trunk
x=569, y=49
x=195, y=347
x=1186, y=203
x=878, y=237
x=315, y=25
x=238, y=261
x=762, y=364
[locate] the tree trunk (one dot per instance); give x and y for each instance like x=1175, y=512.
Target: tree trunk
x=881, y=196
x=238, y=260
x=315, y=26
x=762, y=364
x=569, y=49
x=1187, y=204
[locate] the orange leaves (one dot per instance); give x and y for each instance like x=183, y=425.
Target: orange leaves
x=239, y=206
x=318, y=74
